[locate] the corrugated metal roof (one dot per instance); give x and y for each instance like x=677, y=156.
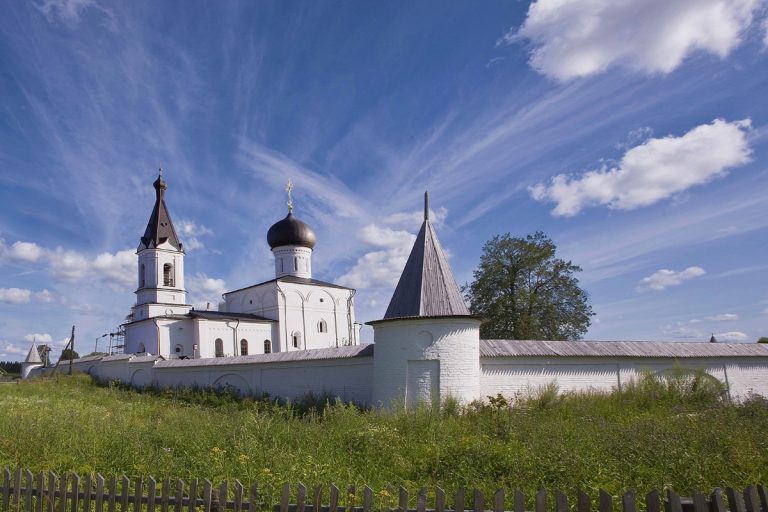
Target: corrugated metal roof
x=292, y=279
x=278, y=357
x=533, y=348
x=224, y=315
x=427, y=287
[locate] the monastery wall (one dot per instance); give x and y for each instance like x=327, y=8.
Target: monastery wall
x=513, y=375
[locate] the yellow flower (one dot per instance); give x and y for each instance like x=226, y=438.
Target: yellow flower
x=243, y=458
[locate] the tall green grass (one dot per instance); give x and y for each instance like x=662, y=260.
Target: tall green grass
x=678, y=433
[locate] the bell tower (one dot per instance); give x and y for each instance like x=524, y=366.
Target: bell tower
x=161, y=264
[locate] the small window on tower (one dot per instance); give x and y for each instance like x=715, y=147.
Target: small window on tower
x=322, y=326
x=243, y=347
x=267, y=346
x=296, y=338
x=218, y=347
x=142, y=278
x=295, y=263
x=168, y=275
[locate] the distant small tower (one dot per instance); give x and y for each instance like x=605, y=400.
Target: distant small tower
x=292, y=242
x=161, y=264
x=427, y=346
x=32, y=361
x=713, y=339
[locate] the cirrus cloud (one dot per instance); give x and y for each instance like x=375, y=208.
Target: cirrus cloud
x=652, y=171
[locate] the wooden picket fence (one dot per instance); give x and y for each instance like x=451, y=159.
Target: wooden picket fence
x=23, y=491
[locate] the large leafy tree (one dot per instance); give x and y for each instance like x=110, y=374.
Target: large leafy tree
x=524, y=292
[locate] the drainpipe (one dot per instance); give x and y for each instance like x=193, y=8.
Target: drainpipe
x=234, y=335
x=157, y=330
x=284, y=322
x=350, y=324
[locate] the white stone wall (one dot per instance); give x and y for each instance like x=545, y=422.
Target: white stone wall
x=231, y=332
x=512, y=375
x=421, y=360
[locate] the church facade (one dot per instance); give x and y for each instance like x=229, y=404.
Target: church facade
x=293, y=335
x=291, y=312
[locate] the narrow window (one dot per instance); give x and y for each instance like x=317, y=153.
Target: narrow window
x=142, y=348
x=267, y=346
x=218, y=347
x=243, y=347
x=168, y=274
x=295, y=263
x=296, y=339
x=142, y=279
x=322, y=326
x=282, y=265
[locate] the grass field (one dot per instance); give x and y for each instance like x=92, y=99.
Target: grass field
x=649, y=435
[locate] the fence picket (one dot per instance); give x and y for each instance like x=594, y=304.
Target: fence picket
x=750, y=499
x=716, y=501
x=112, y=494
x=301, y=497
x=63, y=492
x=138, y=493
x=333, y=502
x=253, y=501
x=498, y=500
x=192, y=503
x=367, y=500
x=125, y=489
x=605, y=502
x=223, y=495
x=561, y=502
x=735, y=501
x=439, y=499
x=75, y=501
x=541, y=501
x=17, y=490
x=165, y=497
x=519, y=501
x=52, y=477
x=673, y=501
x=763, y=493
x=151, y=494
x=87, y=493
x=285, y=498
x=99, y=493
x=317, y=498
x=402, y=502
x=178, y=506
x=478, y=501
x=628, y=502
x=30, y=484
x=41, y=492
x=421, y=500
x=6, y=489
x=653, y=501
x=207, y=495
x=583, y=503
x=458, y=500
x=238, y=505
x=699, y=502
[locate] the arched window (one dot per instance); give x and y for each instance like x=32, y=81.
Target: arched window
x=142, y=348
x=218, y=347
x=142, y=276
x=322, y=326
x=295, y=263
x=267, y=346
x=168, y=275
x=243, y=347
x=296, y=338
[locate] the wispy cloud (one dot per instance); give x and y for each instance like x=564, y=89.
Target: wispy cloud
x=664, y=278
x=724, y=317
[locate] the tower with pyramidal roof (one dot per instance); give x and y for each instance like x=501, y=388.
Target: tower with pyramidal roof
x=427, y=344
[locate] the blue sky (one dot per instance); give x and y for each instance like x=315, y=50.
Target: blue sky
x=633, y=133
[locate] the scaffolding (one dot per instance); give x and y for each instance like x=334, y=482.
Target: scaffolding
x=117, y=341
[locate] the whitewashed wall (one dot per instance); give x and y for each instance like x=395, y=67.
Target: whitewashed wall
x=512, y=375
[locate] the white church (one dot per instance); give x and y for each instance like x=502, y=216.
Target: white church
x=295, y=335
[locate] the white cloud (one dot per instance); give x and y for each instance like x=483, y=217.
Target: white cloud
x=44, y=296
x=191, y=232
x=664, y=278
x=15, y=295
x=39, y=338
x=204, y=290
x=574, y=38
x=25, y=251
x=67, y=10
x=118, y=269
x=9, y=349
x=652, y=171
x=380, y=268
x=725, y=317
x=410, y=220
x=67, y=265
x=731, y=336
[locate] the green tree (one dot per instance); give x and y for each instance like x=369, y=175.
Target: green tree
x=524, y=292
x=763, y=339
x=68, y=354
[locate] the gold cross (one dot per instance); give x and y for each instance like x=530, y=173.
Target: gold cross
x=288, y=189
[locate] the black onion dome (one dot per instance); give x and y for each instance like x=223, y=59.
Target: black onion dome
x=291, y=231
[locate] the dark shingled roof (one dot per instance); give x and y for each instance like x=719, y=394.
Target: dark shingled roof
x=291, y=231
x=426, y=287
x=160, y=228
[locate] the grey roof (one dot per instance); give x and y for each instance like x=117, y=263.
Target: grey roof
x=533, y=348
x=292, y=279
x=291, y=231
x=427, y=287
x=33, y=356
x=160, y=227
x=222, y=315
x=276, y=357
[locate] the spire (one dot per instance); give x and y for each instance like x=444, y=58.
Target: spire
x=426, y=287
x=713, y=339
x=289, y=188
x=33, y=356
x=160, y=227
